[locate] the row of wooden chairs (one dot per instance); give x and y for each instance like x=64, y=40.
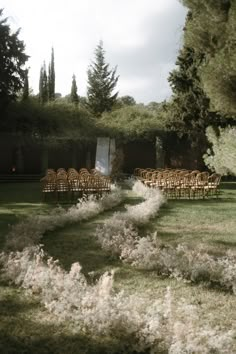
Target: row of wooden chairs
x=180, y=183
x=71, y=184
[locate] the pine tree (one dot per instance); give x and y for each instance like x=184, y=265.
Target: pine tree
x=43, y=84
x=51, y=78
x=190, y=107
x=25, y=94
x=101, y=83
x=188, y=113
x=73, y=95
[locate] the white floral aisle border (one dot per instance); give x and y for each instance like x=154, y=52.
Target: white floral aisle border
x=119, y=235
x=31, y=231
x=120, y=230
x=136, y=321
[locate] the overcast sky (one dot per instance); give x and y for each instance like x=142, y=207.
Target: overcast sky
x=140, y=37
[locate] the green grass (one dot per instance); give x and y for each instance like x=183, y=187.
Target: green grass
x=25, y=327
x=18, y=201
x=211, y=221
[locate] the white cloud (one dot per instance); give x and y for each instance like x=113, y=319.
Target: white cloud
x=140, y=37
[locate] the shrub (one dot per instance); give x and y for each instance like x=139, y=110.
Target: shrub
x=222, y=156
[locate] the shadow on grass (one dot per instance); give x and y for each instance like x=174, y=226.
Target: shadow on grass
x=76, y=243
x=9, y=306
x=10, y=207
x=73, y=344
x=20, y=192
x=21, y=335
x=202, y=202
x=211, y=286
x=228, y=244
x=228, y=185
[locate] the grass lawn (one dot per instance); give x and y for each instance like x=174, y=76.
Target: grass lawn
x=17, y=201
x=211, y=221
x=26, y=327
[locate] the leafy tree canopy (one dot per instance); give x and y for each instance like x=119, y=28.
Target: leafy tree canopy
x=51, y=121
x=125, y=101
x=132, y=122
x=221, y=157
x=211, y=29
x=12, y=61
x=155, y=106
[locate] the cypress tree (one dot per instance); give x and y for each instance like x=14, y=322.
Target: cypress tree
x=73, y=95
x=43, y=84
x=40, y=83
x=51, y=78
x=25, y=94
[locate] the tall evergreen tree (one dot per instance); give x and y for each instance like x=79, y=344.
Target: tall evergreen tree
x=189, y=109
x=12, y=60
x=101, y=83
x=73, y=95
x=25, y=94
x=40, y=83
x=51, y=78
x=43, y=84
